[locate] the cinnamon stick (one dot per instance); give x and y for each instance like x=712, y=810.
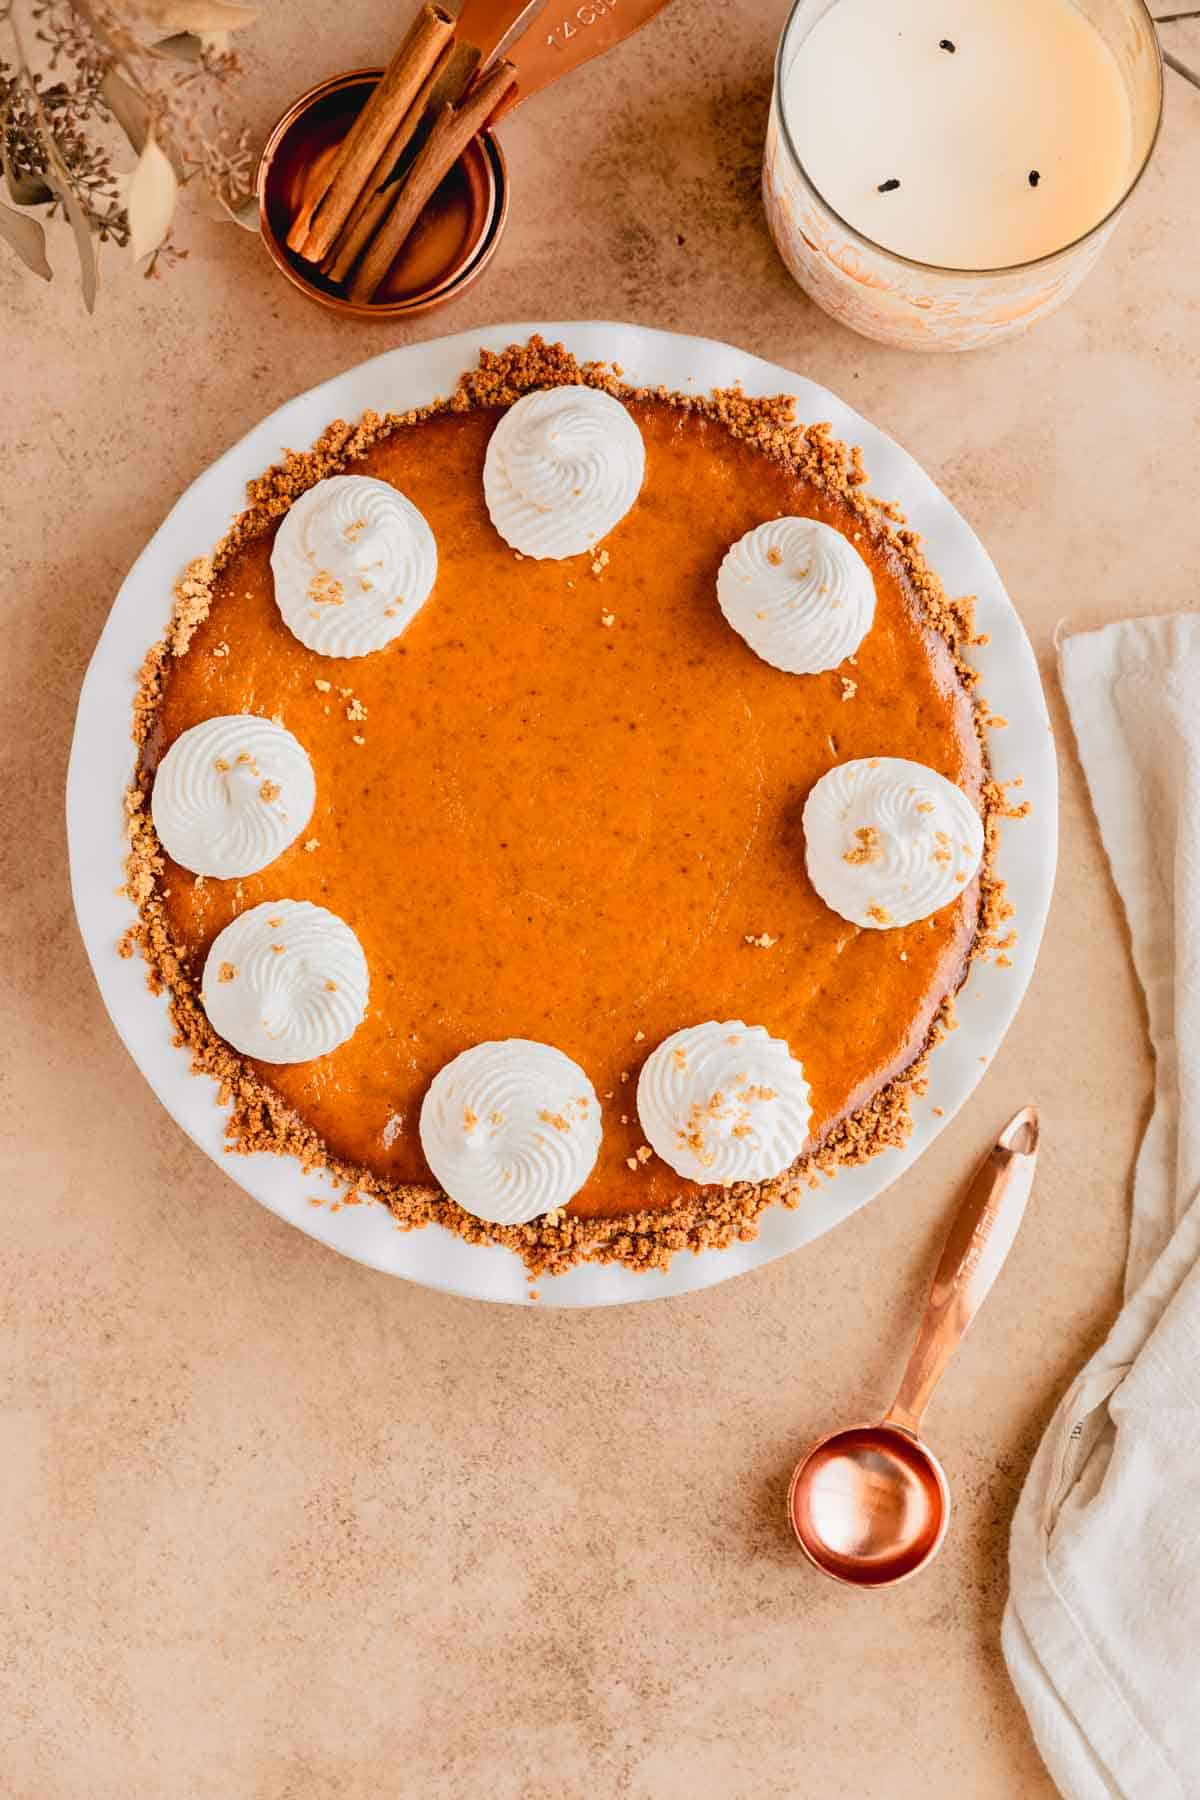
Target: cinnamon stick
x=447, y=82
x=452, y=131
x=317, y=225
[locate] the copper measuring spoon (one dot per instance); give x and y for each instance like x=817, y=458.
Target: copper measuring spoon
x=870, y=1504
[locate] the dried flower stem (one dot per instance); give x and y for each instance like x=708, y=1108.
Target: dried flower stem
x=77, y=77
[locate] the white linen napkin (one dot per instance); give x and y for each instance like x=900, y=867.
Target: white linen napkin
x=1102, y=1628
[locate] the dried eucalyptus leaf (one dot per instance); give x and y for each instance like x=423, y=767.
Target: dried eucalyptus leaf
x=197, y=15
x=28, y=239
x=27, y=190
x=184, y=46
x=201, y=198
x=59, y=179
x=151, y=203
x=127, y=107
x=245, y=215
x=84, y=246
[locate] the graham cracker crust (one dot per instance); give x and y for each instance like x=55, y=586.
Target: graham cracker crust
x=703, y=1219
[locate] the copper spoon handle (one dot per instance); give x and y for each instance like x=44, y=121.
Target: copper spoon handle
x=494, y=26
x=555, y=44
x=980, y=1238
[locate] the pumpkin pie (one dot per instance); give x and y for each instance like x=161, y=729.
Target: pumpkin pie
x=601, y=796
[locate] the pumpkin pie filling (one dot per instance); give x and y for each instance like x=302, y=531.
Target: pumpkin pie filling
x=566, y=804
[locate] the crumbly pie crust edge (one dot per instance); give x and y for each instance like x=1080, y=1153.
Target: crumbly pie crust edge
x=259, y=1119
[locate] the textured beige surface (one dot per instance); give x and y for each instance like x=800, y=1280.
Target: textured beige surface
x=277, y=1527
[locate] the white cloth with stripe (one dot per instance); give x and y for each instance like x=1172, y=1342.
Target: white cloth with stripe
x=1102, y=1628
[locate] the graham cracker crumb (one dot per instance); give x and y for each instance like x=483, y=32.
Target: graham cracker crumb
x=867, y=848
x=326, y=590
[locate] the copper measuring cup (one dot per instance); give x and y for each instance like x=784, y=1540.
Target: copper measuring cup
x=457, y=235
x=870, y=1504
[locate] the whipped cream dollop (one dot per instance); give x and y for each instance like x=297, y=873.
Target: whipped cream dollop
x=799, y=593
x=889, y=841
x=232, y=793
x=511, y=1129
x=285, y=982
x=354, y=562
x=563, y=466
x=724, y=1102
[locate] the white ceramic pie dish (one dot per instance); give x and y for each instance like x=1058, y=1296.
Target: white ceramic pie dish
x=102, y=759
